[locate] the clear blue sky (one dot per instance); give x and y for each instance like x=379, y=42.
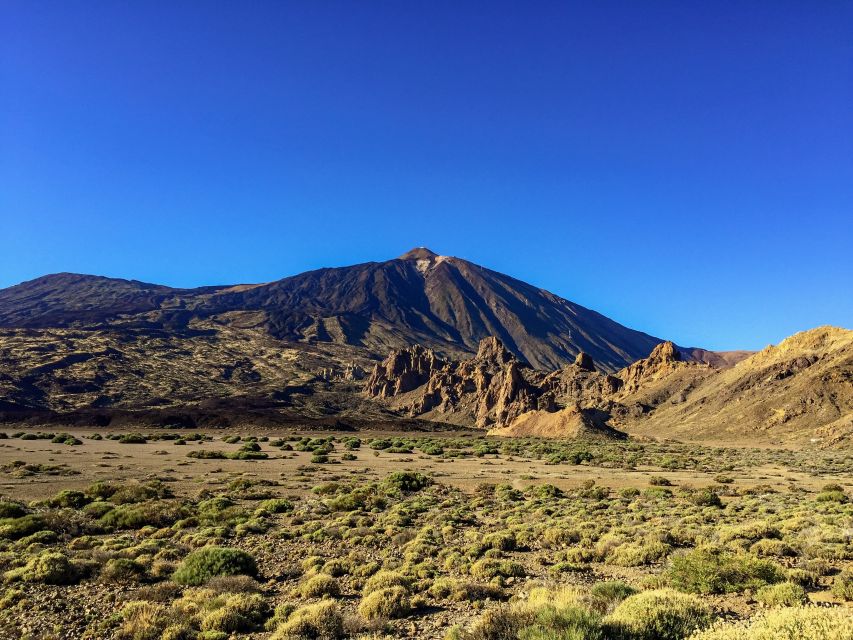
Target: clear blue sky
x=684, y=167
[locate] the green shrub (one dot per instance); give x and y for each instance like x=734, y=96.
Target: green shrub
x=133, y=438
x=242, y=612
x=135, y=516
x=320, y=586
x=69, y=499
x=122, y=570
x=385, y=580
x=321, y=621
x=50, y=567
x=276, y=505
x=15, y=528
x=784, y=594
x=403, y=482
x=603, y=597
x=710, y=570
x=492, y=568
x=463, y=591
x=789, y=623
x=392, y=602
x=11, y=510
x=545, y=615
x=661, y=614
x=842, y=585
x=208, y=562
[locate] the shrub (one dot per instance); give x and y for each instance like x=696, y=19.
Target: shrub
x=14, y=528
x=322, y=621
x=50, y=567
x=392, y=602
x=464, y=591
x=706, y=498
x=709, y=570
x=604, y=596
x=11, y=510
x=122, y=570
x=69, y=499
x=133, y=438
x=136, y=516
x=662, y=614
x=492, y=568
x=241, y=612
x=405, y=482
x=151, y=621
x=545, y=615
x=385, y=580
x=276, y=505
x=842, y=585
x=319, y=586
x=784, y=594
x=790, y=623
x=209, y=562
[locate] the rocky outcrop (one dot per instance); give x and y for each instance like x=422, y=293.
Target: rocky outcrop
x=663, y=360
x=493, y=389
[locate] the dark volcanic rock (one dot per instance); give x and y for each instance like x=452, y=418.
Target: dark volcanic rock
x=444, y=303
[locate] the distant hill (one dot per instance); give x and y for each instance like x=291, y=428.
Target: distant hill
x=444, y=303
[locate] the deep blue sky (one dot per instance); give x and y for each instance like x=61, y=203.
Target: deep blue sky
x=683, y=167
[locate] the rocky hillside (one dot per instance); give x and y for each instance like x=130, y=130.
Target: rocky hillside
x=447, y=304
x=801, y=389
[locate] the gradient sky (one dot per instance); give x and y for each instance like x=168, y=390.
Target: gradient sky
x=684, y=167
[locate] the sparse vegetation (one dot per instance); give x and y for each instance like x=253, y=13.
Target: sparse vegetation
x=376, y=547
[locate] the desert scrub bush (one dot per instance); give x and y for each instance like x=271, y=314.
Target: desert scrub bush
x=832, y=493
x=544, y=615
x=241, y=612
x=636, y=555
x=384, y=604
x=50, y=567
x=140, y=492
x=788, y=623
x=321, y=621
x=662, y=614
x=603, y=597
x=320, y=586
x=69, y=499
x=276, y=505
x=842, y=585
x=15, y=528
x=405, y=482
x=141, y=620
x=492, y=568
x=784, y=594
x=122, y=570
x=454, y=590
x=709, y=570
x=705, y=498
x=10, y=509
x=132, y=438
x=385, y=580
x=136, y=516
x=208, y=562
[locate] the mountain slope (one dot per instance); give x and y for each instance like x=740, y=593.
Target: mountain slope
x=802, y=387
x=444, y=303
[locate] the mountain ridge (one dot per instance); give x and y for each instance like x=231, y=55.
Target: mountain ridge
x=444, y=302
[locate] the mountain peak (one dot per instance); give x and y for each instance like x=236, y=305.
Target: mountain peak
x=419, y=253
